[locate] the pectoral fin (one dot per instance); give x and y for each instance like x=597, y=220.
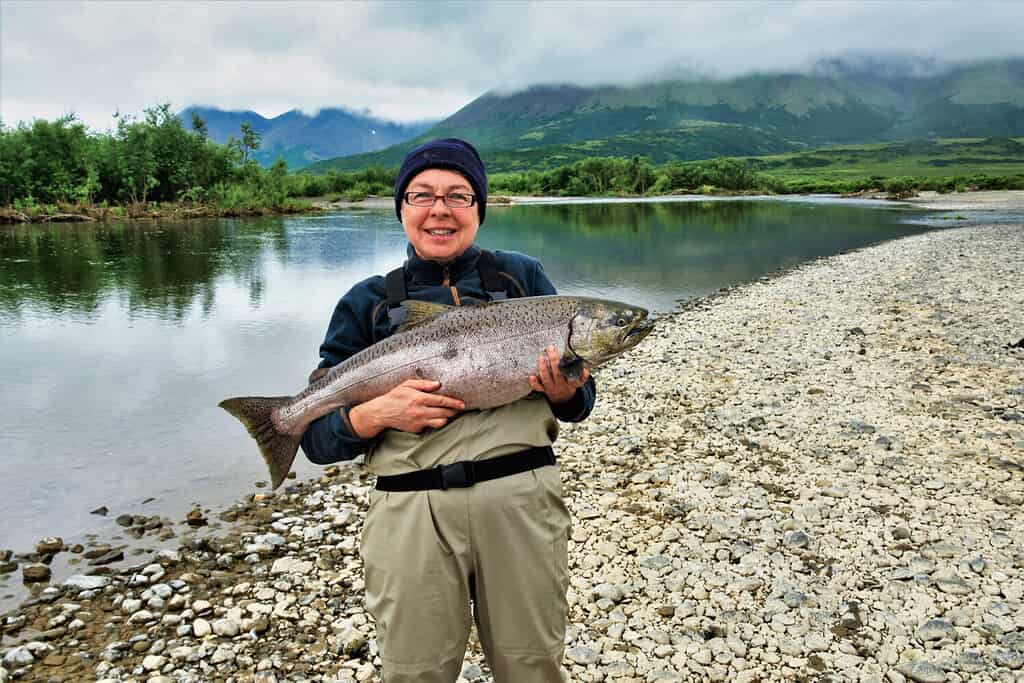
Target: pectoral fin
x=571, y=366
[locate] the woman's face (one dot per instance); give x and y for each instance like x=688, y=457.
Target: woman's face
x=439, y=233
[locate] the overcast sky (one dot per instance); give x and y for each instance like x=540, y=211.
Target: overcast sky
x=418, y=60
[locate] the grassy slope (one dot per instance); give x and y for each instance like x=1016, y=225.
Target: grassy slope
x=761, y=114
x=926, y=158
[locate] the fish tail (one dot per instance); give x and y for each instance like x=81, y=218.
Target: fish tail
x=278, y=448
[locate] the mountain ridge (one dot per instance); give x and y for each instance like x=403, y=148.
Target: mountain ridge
x=300, y=138
x=836, y=104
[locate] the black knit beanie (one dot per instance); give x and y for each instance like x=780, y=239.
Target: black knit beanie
x=449, y=153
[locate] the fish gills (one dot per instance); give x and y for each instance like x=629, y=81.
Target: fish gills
x=278, y=449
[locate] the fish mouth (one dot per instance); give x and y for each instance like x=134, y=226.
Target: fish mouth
x=638, y=331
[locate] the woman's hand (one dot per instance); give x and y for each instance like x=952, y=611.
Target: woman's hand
x=549, y=379
x=412, y=406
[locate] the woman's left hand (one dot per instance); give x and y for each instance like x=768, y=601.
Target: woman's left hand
x=549, y=379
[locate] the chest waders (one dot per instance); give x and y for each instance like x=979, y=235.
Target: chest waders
x=468, y=515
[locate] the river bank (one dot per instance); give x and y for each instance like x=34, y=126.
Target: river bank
x=91, y=213
x=818, y=473
x=994, y=200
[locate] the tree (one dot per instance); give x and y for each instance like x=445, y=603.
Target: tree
x=199, y=126
x=250, y=142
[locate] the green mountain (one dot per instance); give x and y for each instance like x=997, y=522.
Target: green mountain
x=301, y=139
x=836, y=103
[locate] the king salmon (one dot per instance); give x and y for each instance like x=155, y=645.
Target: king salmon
x=481, y=354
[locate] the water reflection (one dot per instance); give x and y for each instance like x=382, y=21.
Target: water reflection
x=119, y=340
x=156, y=268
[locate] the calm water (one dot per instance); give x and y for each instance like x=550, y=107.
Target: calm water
x=118, y=341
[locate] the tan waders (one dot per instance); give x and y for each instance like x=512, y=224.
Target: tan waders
x=500, y=544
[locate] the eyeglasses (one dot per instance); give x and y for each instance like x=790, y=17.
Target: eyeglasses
x=453, y=200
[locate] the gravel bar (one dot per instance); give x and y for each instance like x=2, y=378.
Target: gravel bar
x=813, y=477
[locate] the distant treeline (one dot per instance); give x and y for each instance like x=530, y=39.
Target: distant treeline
x=637, y=176
x=155, y=159
x=158, y=159
x=611, y=176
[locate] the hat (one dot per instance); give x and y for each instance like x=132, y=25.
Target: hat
x=449, y=153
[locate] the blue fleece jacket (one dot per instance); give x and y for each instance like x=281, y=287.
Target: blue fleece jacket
x=361, y=319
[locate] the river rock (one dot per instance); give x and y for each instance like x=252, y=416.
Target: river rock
x=922, y=672
x=86, y=583
x=18, y=657
x=35, y=573
x=581, y=655
x=51, y=545
x=201, y=628
x=935, y=629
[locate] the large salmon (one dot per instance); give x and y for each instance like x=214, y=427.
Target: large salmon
x=482, y=355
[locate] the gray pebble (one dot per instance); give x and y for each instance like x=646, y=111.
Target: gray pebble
x=922, y=672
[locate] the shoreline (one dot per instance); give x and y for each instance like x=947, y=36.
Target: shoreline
x=985, y=200
x=812, y=479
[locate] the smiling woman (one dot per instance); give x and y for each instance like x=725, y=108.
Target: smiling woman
x=438, y=217
x=461, y=494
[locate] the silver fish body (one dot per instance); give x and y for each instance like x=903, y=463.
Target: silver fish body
x=482, y=355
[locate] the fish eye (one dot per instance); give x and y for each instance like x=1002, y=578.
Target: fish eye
x=621, y=322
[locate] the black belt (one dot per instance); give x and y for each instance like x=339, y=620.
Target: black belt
x=468, y=472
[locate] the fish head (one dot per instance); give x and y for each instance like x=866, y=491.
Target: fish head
x=601, y=329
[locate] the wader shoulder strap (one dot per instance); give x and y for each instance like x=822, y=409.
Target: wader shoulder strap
x=487, y=266
x=396, y=292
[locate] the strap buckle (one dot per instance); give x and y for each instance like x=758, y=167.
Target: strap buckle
x=458, y=475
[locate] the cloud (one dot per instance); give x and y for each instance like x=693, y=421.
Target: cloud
x=412, y=61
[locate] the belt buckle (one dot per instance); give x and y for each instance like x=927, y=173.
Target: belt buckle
x=458, y=475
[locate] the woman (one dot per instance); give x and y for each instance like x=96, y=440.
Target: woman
x=435, y=542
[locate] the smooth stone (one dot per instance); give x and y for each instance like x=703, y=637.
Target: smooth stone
x=1008, y=659
x=471, y=672
x=971, y=662
x=201, y=628
x=109, y=557
x=935, y=629
x=51, y=545
x=581, y=655
x=291, y=565
x=18, y=657
x=922, y=672
x=35, y=573
x=153, y=662
x=226, y=628
x=83, y=582
x=656, y=562
x=796, y=539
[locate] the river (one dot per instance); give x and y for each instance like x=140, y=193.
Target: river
x=118, y=340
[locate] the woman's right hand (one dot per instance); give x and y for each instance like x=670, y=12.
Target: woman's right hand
x=412, y=406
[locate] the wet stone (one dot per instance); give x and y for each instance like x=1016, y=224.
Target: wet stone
x=35, y=573
x=108, y=558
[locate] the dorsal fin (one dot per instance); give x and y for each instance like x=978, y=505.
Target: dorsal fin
x=421, y=312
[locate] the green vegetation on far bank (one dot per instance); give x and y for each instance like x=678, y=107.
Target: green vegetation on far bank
x=59, y=170
x=896, y=169
x=155, y=167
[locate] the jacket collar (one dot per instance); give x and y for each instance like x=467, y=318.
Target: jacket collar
x=424, y=272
